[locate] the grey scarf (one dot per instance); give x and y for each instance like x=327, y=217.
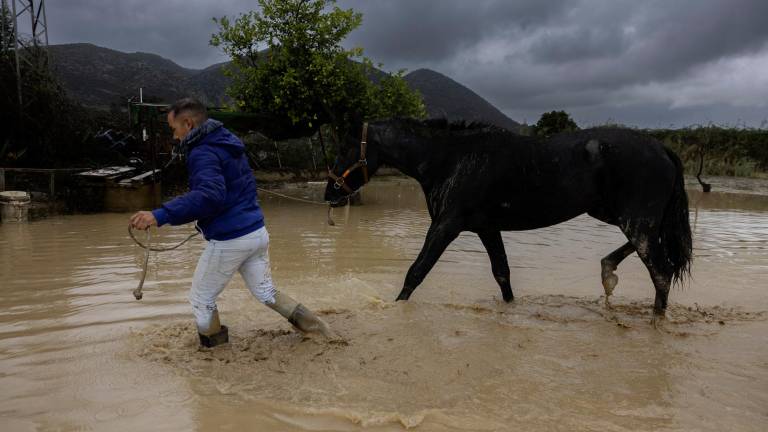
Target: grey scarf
x=198, y=133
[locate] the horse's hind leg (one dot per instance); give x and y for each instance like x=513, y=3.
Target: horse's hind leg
x=662, y=280
x=499, y=265
x=652, y=254
x=608, y=266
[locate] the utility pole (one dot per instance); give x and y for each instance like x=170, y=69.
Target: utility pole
x=26, y=46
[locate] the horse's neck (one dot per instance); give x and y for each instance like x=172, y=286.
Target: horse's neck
x=421, y=162
x=414, y=160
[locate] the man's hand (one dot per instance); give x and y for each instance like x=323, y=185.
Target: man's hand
x=143, y=220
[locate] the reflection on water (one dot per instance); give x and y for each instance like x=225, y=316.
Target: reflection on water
x=78, y=352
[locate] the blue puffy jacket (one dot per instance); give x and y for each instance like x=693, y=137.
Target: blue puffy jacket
x=222, y=196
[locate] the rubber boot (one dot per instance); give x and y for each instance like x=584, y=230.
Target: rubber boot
x=301, y=317
x=215, y=334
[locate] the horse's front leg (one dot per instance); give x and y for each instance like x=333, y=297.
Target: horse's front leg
x=494, y=245
x=441, y=233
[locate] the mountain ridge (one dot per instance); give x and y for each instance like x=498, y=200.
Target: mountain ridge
x=101, y=77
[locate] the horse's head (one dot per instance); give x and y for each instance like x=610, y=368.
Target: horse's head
x=357, y=161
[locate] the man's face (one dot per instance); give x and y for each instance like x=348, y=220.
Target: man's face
x=180, y=125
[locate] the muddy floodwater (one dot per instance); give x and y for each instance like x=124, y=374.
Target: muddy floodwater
x=78, y=352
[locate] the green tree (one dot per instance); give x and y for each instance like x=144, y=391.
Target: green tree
x=554, y=122
x=288, y=62
x=392, y=97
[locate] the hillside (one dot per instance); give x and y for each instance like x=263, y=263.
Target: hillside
x=209, y=85
x=445, y=97
x=100, y=77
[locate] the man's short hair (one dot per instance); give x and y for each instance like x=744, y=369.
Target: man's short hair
x=190, y=106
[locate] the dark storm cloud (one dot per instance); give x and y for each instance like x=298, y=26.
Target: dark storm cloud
x=626, y=60
x=579, y=44
x=176, y=29
x=672, y=37
x=424, y=31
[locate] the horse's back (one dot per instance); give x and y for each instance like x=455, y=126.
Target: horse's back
x=607, y=173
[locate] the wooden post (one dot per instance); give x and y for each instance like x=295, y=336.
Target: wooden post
x=2, y=180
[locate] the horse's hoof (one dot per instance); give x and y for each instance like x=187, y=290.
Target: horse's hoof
x=403, y=296
x=657, y=321
x=610, y=280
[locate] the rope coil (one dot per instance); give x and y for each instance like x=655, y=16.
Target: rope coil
x=158, y=249
x=137, y=293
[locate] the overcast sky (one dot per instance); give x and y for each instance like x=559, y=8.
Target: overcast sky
x=651, y=63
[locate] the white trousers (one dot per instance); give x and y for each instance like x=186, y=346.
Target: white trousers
x=220, y=260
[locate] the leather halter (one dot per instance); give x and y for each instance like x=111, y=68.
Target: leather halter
x=340, y=182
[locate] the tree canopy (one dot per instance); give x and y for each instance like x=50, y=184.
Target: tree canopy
x=554, y=122
x=288, y=62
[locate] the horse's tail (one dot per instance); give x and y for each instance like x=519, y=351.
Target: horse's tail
x=675, y=226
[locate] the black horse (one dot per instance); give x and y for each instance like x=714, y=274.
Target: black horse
x=485, y=179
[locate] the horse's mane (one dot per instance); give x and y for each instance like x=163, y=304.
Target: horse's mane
x=444, y=125
x=456, y=125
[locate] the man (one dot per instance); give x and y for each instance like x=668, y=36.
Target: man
x=222, y=199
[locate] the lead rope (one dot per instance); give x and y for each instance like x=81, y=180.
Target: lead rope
x=329, y=219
